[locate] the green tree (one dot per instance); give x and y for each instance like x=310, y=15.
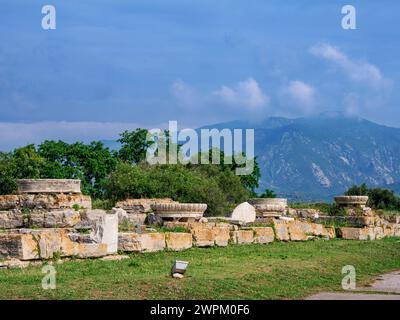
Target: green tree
x=90, y=163
x=134, y=145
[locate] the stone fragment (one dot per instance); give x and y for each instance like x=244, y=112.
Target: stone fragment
x=244, y=212
x=177, y=241
x=177, y=275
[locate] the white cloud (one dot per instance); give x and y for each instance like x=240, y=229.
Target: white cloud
x=185, y=94
x=247, y=94
x=302, y=94
x=19, y=134
x=357, y=71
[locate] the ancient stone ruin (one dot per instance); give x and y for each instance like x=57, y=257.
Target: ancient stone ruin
x=51, y=219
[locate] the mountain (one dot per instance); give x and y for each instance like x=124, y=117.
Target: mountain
x=318, y=157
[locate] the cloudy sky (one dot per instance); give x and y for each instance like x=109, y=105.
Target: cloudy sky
x=113, y=65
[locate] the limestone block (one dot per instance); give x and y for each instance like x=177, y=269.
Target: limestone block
x=177, y=241
x=299, y=231
x=354, y=233
x=222, y=234
x=144, y=242
x=203, y=233
x=11, y=219
x=52, y=219
x=244, y=212
x=242, y=236
x=281, y=230
x=263, y=235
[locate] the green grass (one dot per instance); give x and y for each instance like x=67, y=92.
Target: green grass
x=276, y=271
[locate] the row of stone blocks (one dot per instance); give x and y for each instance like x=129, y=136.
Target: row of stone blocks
x=103, y=239
x=222, y=234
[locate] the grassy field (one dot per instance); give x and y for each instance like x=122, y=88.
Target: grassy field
x=275, y=271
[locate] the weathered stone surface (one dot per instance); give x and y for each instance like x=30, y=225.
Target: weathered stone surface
x=353, y=233
x=11, y=219
x=44, y=201
x=49, y=186
x=263, y=235
x=320, y=230
x=52, y=219
x=281, y=230
x=300, y=231
x=222, y=234
x=145, y=242
x=105, y=228
x=178, y=241
x=29, y=244
x=242, y=236
x=203, y=234
x=244, y=212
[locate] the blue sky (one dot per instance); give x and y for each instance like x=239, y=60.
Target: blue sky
x=113, y=65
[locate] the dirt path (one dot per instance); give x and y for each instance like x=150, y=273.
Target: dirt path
x=385, y=287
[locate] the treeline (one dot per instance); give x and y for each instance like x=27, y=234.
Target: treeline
x=110, y=176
